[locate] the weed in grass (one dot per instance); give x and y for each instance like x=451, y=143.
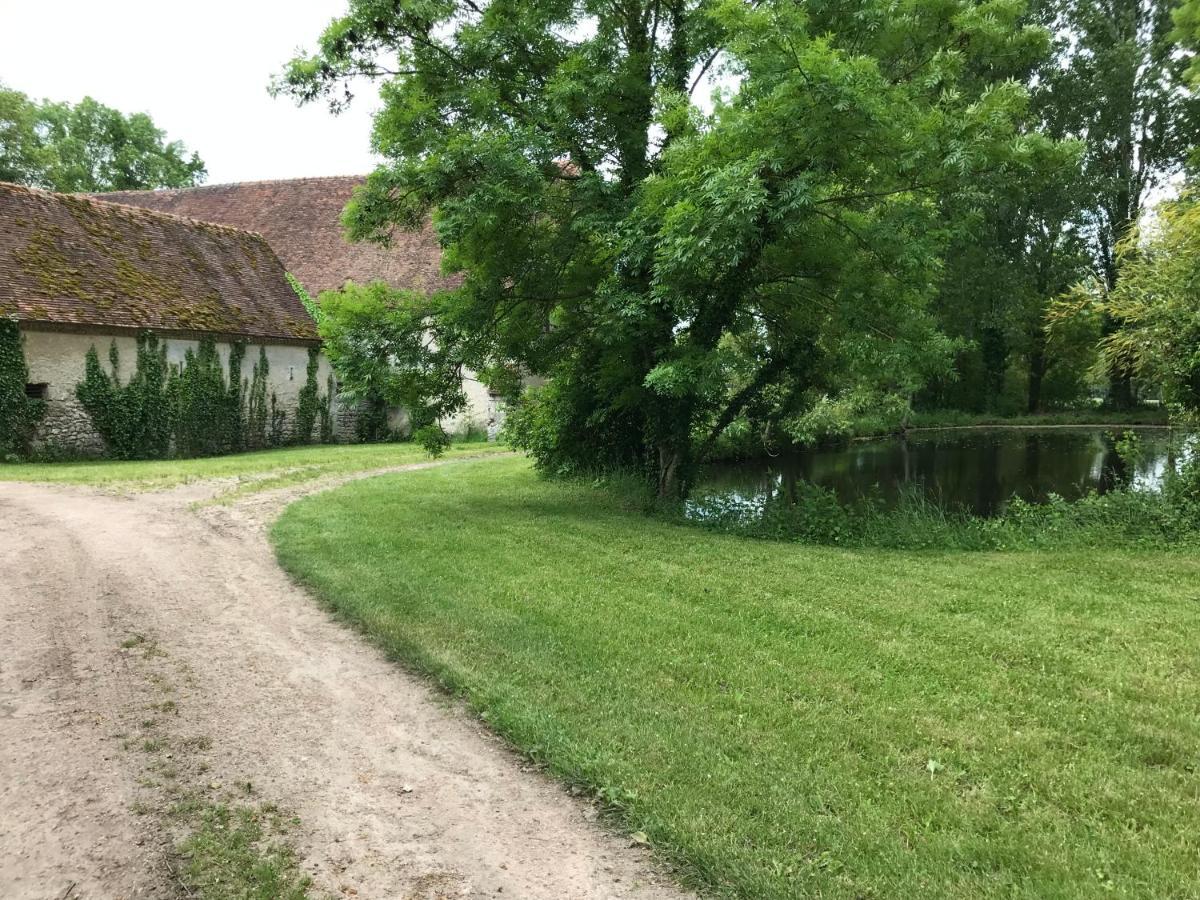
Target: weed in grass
x=161, y=682
x=236, y=852
x=148, y=647
x=169, y=771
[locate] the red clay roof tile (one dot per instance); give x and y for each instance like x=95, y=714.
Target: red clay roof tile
x=301, y=219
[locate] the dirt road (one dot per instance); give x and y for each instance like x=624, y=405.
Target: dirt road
x=151, y=653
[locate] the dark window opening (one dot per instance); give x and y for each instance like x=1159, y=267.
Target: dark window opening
x=40, y=391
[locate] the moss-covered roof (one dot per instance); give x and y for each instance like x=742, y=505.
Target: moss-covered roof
x=71, y=260
x=301, y=218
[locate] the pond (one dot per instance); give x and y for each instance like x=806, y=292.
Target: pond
x=977, y=470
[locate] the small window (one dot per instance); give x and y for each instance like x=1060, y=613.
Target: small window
x=291, y=373
x=39, y=391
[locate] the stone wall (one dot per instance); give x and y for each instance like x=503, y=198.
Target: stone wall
x=67, y=428
x=483, y=412
x=56, y=360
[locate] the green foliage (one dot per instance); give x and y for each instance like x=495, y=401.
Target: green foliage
x=1186, y=18
x=328, y=423
x=256, y=403
x=672, y=268
x=380, y=343
x=88, y=147
x=19, y=414
x=209, y=417
x=1114, y=87
x=309, y=403
x=197, y=409
x=1154, y=304
x=433, y=438
x=371, y=419
x=277, y=425
x=1120, y=84
x=135, y=419
x=814, y=515
x=1121, y=88
x=314, y=309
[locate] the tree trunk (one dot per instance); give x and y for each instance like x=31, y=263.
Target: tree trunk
x=1037, y=373
x=670, y=466
x=1120, y=390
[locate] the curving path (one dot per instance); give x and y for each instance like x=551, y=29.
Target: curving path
x=242, y=680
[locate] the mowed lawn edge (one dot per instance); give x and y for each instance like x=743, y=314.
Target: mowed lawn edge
x=273, y=467
x=785, y=720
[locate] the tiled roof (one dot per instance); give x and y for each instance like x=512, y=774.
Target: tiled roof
x=70, y=260
x=301, y=219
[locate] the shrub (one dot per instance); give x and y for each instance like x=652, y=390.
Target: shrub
x=208, y=410
x=19, y=414
x=199, y=409
x=256, y=403
x=327, y=418
x=135, y=419
x=814, y=515
x=308, y=404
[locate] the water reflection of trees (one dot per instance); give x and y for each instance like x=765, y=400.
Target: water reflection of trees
x=979, y=471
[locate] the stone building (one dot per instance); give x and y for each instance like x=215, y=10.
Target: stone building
x=77, y=272
x=301, y=220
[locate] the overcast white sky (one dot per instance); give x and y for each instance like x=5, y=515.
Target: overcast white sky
x=199, y=70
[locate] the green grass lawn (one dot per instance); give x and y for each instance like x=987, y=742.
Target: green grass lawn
x=795, y=721
x=260, y=469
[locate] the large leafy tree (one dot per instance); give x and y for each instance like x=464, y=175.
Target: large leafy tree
x=1119, y=84
x=88, y=147
x=1021, y=247
x=1018, y=249
x=1115, y=84
x=1156, y=302
x=670, y=267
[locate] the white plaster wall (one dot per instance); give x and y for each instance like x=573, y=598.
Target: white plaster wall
x=483, y=411
x=56, y=359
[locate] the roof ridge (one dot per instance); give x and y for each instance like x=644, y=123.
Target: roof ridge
x=130, y=208
x=230, y=184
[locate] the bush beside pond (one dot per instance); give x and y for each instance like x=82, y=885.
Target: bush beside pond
x=1119, y=518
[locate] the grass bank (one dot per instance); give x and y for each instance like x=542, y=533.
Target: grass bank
x=261, y=469
x=785, y=720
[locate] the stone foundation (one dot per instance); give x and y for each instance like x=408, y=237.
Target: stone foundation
x=66, y=429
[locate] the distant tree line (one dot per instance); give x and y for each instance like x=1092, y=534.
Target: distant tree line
x=88, y=147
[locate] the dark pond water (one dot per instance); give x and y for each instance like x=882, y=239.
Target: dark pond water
x=977, y=470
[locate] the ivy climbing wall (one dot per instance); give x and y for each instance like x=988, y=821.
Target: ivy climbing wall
x=56, y=360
